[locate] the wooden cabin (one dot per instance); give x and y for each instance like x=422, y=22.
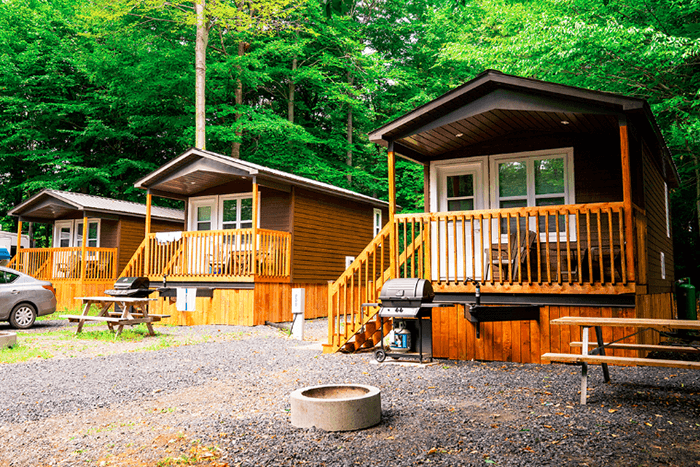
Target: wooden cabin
x=252, y=235
x=540, y=194
x=77, y=268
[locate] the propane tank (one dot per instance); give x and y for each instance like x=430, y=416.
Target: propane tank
x=685, y=298
x=402, y=337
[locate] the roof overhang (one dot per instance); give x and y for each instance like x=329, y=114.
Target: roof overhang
x=197, y=170
x=494, y=105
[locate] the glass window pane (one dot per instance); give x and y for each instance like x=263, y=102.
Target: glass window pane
x=460, y=205
x=512, y=179
x=229, y=225
x=203, y=213
x=514, y=203
x=247, y=209
x=549, y=176
x=550, y=201
x=247, y=225
x=230, y=211
x=79, y=235
x=460, y=185
x=203, y=225
x=92, y=231
x=64, y=237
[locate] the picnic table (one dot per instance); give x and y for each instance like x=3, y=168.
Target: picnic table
x=597, y=354
x=128, y=311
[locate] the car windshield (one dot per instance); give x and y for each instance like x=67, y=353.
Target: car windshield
x=7, y=277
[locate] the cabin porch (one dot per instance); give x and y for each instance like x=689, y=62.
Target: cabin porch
x=73, y=271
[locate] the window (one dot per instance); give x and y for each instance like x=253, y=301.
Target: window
x=93, y=234
x=377, y=221
x=460, y=192
x=663, y=265
x=64, y=237
x=7, y=277
x=237, y=213
x=204, y=217
x=532, y=181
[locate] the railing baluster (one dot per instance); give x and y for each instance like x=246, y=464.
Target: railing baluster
x=623, y=255
x=567, y=227
x=600, y=246
x=612, y=246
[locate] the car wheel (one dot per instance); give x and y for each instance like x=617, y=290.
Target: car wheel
x=22, y=316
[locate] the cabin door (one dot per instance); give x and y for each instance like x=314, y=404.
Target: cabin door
x=202, y=217
x=459, y=190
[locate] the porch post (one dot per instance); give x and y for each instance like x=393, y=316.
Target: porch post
x=627, y=198
x=83, y=248
x=391, y=161
x=147, y=232
x=19, y=244
x=255, y=225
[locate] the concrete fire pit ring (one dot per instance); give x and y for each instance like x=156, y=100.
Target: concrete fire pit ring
x=336, y=407
x=7, y=339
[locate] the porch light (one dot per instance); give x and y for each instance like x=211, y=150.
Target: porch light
x=459, y=135
x=565, y=122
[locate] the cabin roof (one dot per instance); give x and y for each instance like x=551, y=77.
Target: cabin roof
x=495, y=104
x=196, y=170
x=50, y=205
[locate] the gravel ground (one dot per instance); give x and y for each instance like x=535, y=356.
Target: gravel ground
x=227, y=403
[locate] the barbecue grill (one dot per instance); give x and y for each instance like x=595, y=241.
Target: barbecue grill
x=408, y=303
x=136, y=287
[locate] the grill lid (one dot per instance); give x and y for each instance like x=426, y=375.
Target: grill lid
x=406, y=293
x=132, y=283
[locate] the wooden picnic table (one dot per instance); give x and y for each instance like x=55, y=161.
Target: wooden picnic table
x=132, y=311
x=597, y=354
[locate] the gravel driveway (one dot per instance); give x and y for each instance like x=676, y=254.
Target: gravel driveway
x=226, y=402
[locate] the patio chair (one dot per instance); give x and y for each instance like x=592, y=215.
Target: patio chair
x=519, y=253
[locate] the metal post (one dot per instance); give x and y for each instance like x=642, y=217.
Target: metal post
x=584, y=365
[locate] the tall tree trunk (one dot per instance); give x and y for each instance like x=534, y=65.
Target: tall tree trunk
x=30, y=234
x=348, y=155
x=236, y=147
x=200, y=61
x=292, y=90
x=696, y=163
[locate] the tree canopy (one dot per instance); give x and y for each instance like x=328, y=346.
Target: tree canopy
x=93, y=98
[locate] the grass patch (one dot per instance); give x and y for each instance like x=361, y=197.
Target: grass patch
x=21, y=353
x=75, y=311
x=130, y=334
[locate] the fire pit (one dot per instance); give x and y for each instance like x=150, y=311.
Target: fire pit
x=7, y=339
x=339, y=407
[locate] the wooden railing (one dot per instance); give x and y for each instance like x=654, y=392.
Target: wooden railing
x=66, y=264
x=213, y=255
x=549, y=249
x=549, y=245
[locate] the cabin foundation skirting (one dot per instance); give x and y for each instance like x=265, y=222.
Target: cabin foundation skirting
x=525, y=341
x=66, y=291
x=246, y=307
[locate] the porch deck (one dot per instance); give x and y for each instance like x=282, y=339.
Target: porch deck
x=569, y=249
x=67, y=264
x=213, y=256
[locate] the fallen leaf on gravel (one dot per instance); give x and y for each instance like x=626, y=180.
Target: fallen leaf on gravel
x=648, y=424
x=432, y=451
x=612, y=410
x=389, y=437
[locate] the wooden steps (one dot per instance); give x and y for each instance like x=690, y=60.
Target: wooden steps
x=367, y=338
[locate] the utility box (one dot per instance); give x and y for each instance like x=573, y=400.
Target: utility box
x=298, y=305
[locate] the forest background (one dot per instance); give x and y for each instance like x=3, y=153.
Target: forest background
x=96, y=94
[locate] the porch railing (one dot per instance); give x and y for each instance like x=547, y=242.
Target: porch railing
x=67, y=264
x=548, y=245
x=214, y=255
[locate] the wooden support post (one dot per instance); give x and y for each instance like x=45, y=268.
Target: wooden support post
x=627, y=200
x=19, y=243
x=83, y=249
x=147, y=232
x=148, y=213
x=255, y=245
x=391, y=161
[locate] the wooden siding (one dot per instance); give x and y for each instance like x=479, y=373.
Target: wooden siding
x=66, y=291
x=275, y=207
x=326, y=230
x=525, y=341
x=658, y=306
x=109, y=233
x=656, y=239
x=248, y=307
x=131, y=233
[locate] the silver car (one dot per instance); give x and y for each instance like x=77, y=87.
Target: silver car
x=23, y=298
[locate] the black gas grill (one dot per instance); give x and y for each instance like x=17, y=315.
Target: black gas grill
x=408, y=302
x=136, y=287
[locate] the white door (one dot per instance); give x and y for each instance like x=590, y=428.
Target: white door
x=460, y=189
x=63, y=234
x=203, y=216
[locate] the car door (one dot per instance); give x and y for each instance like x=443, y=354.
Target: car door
x=10, y=293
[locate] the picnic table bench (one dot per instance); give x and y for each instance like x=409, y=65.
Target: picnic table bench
x=132, y=311
x=597, y=354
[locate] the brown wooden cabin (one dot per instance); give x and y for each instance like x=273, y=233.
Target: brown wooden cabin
x=77, y=268
x=542, y=194
x=252, y=235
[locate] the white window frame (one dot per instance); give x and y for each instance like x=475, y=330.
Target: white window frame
x=668, y=220
x=528, y=158
x=78, y=222
x=73, y=225
x=663, y=265
x=377, y=222
x=239, y=197
x=217, y=203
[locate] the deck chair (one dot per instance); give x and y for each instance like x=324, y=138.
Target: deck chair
x=519, y=253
